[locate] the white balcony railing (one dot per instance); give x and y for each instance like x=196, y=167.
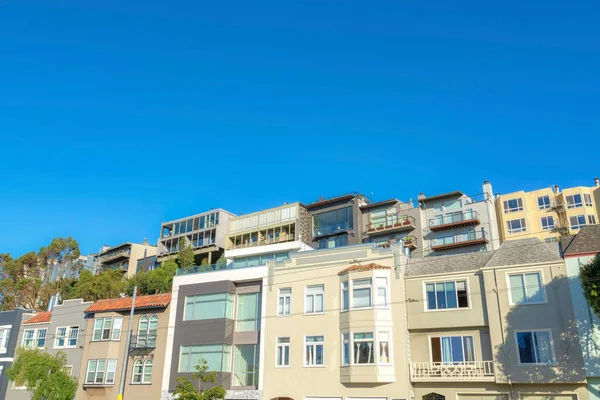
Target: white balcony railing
x=460, y=371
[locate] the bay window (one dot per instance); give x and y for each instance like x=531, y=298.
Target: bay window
x=208, y=306
x=363, y=348
x=102, y=328
x=247, y=312
x=217, y=357
x=361, y=293
x=344, y=295
x=384, y=348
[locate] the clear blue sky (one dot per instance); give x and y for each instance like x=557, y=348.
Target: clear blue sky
x=117, y=115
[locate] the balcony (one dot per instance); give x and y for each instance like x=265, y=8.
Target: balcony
x=331, y=229
x=480, y=371
x=142, y=341
x=410, y=242
x=273, y=240
x=454, y=220
x=392, y=223
x=115, y=255
x=473, y=238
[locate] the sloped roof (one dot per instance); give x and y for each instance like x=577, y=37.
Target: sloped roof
x=379, y=203
x=586, y=241
x=39, y=318
x=124, y=303
x=323, y=202
x=523, y=251
x=447, y=264
x=456, y=193
x=362, y=268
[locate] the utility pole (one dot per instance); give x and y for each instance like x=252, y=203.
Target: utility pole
x=127, y=343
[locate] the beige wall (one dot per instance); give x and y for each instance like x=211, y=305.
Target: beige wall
x=479, y=391
x=116, y=350
x=137, y=252
x=322, y=267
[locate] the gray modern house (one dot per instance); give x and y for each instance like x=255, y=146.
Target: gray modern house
x=10, y=321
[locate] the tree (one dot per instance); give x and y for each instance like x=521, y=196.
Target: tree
x=106, y=285
x=20, y=281
x=62, y=256
x=589, y=275
x=42, y=374
x=208, y=390
x=159, y=280
x=185, y=254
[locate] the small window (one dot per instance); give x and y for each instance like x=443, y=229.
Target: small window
x=345, y=296
x=111, y=369
x=447, y=295
x=574, y=201
x=361, y=293
x=591, y=219
x=284, y=306
x=513, y=205
x=313, y=352
x=577, y=221
x=314, y=299
x=381, y=299
x=452, y=349
x=283, y=351
x=516, y=225
x=4, y=334
x=137, y=372
x=526, y=288
x=363, y=348
x=547, y=223
x=116, y=328
x=588, y=200
x=535, y=347
x=384, y=348
x=346, y=349
x=543, y=202
x=68, y=369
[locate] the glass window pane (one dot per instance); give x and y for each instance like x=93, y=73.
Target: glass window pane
x=431, y=302
x=516, y=289
x=450, y=289
x=361, y=297
x=543, y=346
x=441, y=296
x=525, y=345
x=533, y=284
x=247, y=312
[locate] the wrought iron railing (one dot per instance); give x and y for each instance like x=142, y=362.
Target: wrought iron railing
x=143, y=340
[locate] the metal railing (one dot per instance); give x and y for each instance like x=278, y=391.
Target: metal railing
x=477, y=198
x=143, y=340
x=273, y=240
x=458, y=371
x=460, y=238
x=393, y=221
x=115, y=254
x=454, y=218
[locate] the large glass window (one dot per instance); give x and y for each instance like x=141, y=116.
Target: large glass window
x=547, y=223
x=333, y=242
x=516, y=225
x=333, y=221
x=363, y=348
x=361, y=293
x=208, y=306
x=283, y=351
x=245, y=365
x=574, y=201
x=452, y=349
x=513, y=205
x=535, y=347
x=313, y=350
x=217, y=357
x=314, y=299
x=284, y=305
x=447, y=295
x=544, y=202
x=255, y=261
x=247, y=312
x=526, y=288
x=577, y=221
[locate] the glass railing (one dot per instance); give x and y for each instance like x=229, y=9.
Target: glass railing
x=460, y=238
x=333, y=228
x=453, y=218
x=263, y=242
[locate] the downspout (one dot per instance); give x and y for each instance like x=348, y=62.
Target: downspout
x=506, y=353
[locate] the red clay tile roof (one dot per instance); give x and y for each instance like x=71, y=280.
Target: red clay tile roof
x=362, y=268
x=124, y=303
x=39, y=318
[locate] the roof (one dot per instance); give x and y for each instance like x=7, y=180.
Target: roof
x=363, y=268
x=523, y=251
x=39, y=318
x=447, y=264
x=441, y=196
x=586, y=241
x=116, y=247
x=380, y=203
x=124, y=303
x=322, y=202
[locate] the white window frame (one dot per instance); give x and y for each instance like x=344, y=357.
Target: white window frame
x=68, y=369
x=138, y=362
x=591, y=219
x=579, y=225
x=374, y=348
x=522, y=228
x=587, y=200
x=519, y=206
x=343, y=341
x=548, y=227
x=35, y=338
x=376, y=292
x=68, y=333
x=345, y=291
x=284, y=297
x=352, y=288
x=462, y=345
x=105, y=372
x=283, y=347
x=144, y=366
x=509, y=288
x=314, y=345
x=545, y=206
x=377, y=339
x=378, y=342
x=574, y=204
x=426, y=301
x=535, y=349
x=5, y=336
x=314, y=296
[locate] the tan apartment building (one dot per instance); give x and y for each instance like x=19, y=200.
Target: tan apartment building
x=104, y=348
x=494, y=325
x=124, y=257
x=335, y=325
x=547, y=213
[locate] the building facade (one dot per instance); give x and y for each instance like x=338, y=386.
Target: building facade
x=10, y=321
x=547, y=213
x=61, y=329
x=124, y=257
x=455, y=223
x=205, y=233
x=104, y=347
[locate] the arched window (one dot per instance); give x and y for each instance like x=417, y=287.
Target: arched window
x=434, y=396
x=137, y=372
x=152, y=330
x=142, y=331
x=147, y=378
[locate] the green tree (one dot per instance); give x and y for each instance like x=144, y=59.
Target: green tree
x=159, y=280
x=185, y=254
x=221, y=263
x=62, y=255
x=589, y=276
x=42, y=374
x=106, y=285
x=208, y=390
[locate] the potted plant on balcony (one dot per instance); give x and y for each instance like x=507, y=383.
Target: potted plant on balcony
x=398, y=223
x=408, y=241
x=380, y=227
x=407, y=221
x=371, y=229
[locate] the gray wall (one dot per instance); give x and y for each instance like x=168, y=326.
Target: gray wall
x=355, y=236
x=13, y=318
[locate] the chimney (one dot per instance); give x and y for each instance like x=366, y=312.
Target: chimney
x=487, y=190
x=497, y=195
x=421, y=196
x=597, y=181
x=145, y=242
x=556, y=189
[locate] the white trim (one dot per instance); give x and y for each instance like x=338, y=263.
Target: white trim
x=523, y=272
x=67, y=337
x=532, y=330
x=467, y=288
x=7, y=359
x=35, y=338
x=314, y=344
x=284, y=314
x=289, y=347
x=322, y=293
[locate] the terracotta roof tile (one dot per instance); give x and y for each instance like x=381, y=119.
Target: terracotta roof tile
x=124, y=303
x=362, y=268
x=39, y=318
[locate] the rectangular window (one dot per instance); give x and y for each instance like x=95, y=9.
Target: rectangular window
x=591, y=219
x=216, y=355
x=34, y=338
x=361, y=293
x=452, y=204
x=245, y=365
x=66, y=337
x=516, y=225
x=574, y=201
x=526, y=288
x=346, y=349
x=91, y=372
x=4, y=334
x=452, y=349
x=313, y=350
x=384, y=348
x=381, y=286
x=588, y=199
x=102, y=328
x=535, y=347
x=116, y=328
x=333, y=242
x=111, y=369
x=283, y=351
x=68, y=369
x=363, y=348
x=513, y=205
x=333, y=221
x=101, y=372
x=247, y=317
x=345, y=296
x=544, y=202
x=447, y=295
x=208, y=306
x=547, y=223
x=284, y=306
x=577, y=221
x=314, y=299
